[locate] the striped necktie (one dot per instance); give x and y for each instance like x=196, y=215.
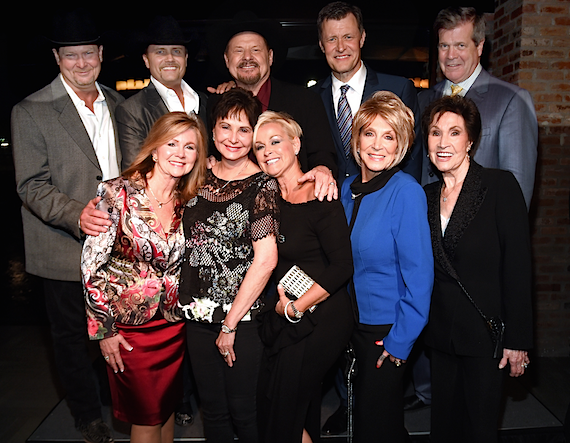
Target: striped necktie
x=455, y=89
x=344, y=120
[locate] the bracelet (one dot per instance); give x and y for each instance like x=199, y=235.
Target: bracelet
x=298, y=314
x=287, y=315
x=227, y=330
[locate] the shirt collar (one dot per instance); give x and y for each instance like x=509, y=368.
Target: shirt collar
x=356, y=82
x=468, y=82
x=75, y=98
x=165, y=93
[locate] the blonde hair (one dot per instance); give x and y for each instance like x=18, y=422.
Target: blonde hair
x=165, y=129
x=388, y=106
x=291, y=127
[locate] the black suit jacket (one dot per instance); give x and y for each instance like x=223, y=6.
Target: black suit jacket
x=487, y=244
x=375, y=81
x=306, y=108
x=136, y=115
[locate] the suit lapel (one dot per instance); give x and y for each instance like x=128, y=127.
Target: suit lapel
x=326, y=95
x=479, y=88
x=468, y=203
x=71, y=121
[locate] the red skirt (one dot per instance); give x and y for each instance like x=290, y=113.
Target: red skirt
x=151, y=386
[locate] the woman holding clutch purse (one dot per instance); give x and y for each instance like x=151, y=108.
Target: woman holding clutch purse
x=393, y=264
x=481, y=245
x=301, y=342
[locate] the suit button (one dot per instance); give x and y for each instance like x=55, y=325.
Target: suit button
x=99, y=177
x=431, y=174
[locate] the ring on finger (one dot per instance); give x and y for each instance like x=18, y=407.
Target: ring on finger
x=225, y=354
x=398, y=362
x=382, y=357
x=107, y=358
x=524, y=365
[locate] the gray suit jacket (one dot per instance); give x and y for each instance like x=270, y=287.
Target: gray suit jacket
x=57, y=173
x=137, y=114
x=509, y=133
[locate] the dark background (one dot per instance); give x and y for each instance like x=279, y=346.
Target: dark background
x=398, y=42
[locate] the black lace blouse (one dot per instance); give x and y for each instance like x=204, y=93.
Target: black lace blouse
x=220, y=226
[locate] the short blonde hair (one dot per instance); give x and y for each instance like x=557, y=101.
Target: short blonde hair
x=291, y=127
x=392, y=109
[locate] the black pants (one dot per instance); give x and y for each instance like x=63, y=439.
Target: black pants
x=66, y=312
x=227, y=395
x=466, y=398
x=378, y=393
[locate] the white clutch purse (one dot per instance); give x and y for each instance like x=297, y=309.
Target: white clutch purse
x=296, y=282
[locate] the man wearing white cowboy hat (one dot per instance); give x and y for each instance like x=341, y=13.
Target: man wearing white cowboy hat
x=65, y=144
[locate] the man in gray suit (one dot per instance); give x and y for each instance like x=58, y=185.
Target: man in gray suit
x=65, y=144
x=166, y=57
x=509, y=137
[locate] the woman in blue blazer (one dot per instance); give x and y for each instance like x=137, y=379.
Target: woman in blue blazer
x=393, y=263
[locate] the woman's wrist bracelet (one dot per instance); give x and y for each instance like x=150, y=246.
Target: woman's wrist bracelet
x=287, y=315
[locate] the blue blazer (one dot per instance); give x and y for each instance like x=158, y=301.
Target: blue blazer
x=393, y=260
x=375, y=81
x=509, y=129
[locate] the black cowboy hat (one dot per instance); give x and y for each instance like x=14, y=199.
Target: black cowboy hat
x=245, y=21
x=73, y=28
x=161, y=30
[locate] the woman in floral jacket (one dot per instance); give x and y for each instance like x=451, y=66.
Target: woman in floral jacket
x=231, y=250
x=131, y=274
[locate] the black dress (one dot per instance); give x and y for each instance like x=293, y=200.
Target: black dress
x=314, y=236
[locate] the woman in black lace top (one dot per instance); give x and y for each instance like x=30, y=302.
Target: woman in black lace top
x=301, y=344
x=231, y=229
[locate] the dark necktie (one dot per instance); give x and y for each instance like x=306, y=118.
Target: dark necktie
x=344, y=120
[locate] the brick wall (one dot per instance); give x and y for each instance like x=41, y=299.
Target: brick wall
x=531, y=48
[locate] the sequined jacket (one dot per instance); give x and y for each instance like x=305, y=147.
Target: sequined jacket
x=132, y=270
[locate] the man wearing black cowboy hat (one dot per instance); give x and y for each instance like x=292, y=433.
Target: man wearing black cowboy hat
x=250, y=47
x=165, y=54
x=65, y=144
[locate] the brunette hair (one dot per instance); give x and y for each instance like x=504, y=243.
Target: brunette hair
x=462, y=106
x=338, y=11
x=392, y=109
x=233, y=102
x=454, y=16
x=165, y=129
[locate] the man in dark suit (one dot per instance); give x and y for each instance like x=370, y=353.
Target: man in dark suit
x=166, y=57
x=341, y=38
x=65, y=144
x=248, y=45
x=509, y=137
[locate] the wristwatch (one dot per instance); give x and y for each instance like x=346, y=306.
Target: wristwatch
x=227, y=330
x=296, y=313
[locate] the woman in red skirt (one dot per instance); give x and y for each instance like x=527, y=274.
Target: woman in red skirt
x=131, y=274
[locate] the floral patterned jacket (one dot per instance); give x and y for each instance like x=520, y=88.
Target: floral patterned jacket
x=133, y=269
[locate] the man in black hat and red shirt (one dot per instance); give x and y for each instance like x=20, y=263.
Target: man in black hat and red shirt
x=250, y=47
x=65, y=144
x=165, y=54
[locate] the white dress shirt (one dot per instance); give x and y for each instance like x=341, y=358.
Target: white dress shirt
x=354, y=92
x=191, y=97
x=99, y=127
x=465, y=84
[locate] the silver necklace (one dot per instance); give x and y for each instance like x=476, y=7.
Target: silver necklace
x=229, y=181
x=160, y=204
